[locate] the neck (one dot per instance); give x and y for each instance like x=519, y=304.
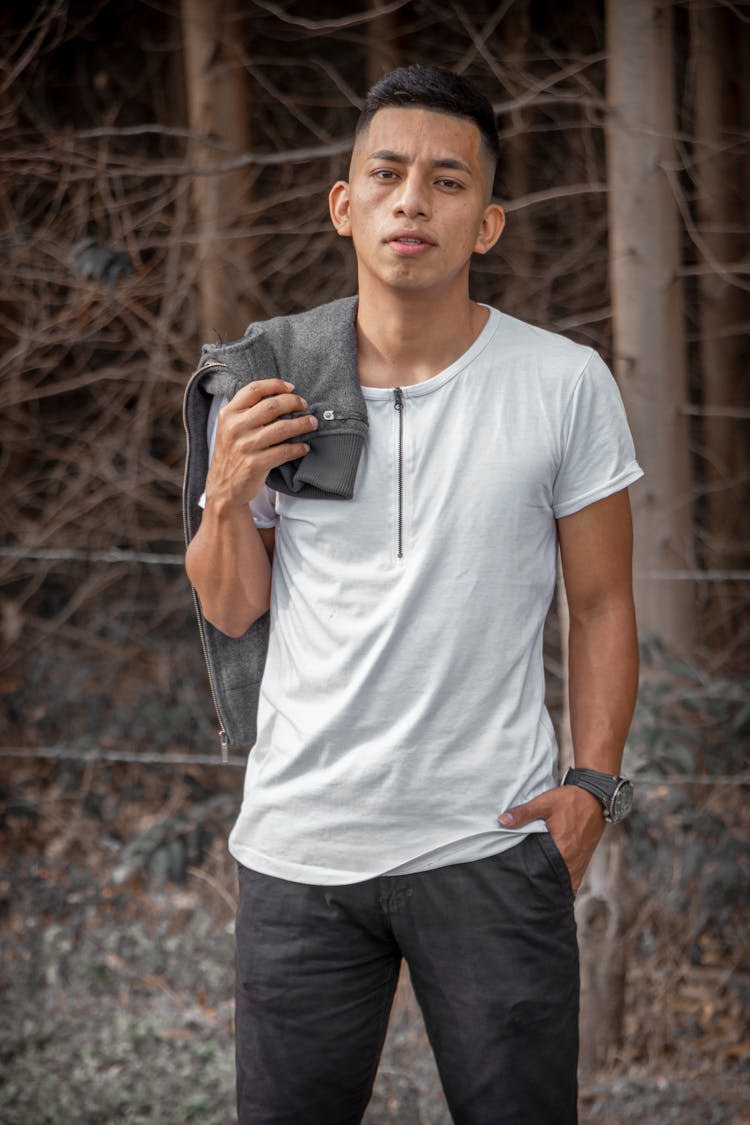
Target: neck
x=407, y=337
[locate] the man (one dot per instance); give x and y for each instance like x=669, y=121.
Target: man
x=401, y=797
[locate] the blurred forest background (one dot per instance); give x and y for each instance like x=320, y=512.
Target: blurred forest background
x=163, y=175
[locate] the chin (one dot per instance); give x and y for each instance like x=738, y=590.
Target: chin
x=411, y=279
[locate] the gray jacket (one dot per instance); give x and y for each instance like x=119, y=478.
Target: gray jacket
x=317, y=351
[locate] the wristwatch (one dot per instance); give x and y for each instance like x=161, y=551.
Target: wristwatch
x=615, y=793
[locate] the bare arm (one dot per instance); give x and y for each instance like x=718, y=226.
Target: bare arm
x=229, y=560
x=596, y=549
x=596, y=546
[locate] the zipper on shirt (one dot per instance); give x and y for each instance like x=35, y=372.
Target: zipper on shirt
x=398, y=405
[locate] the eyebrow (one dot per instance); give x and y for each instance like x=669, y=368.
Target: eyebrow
x=441, y=162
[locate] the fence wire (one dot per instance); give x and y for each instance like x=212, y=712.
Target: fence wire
x=148, y=758
x=154, y=558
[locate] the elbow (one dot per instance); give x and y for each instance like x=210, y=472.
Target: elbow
x=190, y=565
x=234, y=629
x=232, y=613
x=234, y=625
x=617, y=607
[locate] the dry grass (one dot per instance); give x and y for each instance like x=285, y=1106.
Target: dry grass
x=117, y=989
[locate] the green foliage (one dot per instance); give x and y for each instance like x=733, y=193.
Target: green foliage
x=126, y=1038
x=688, y=838
x=686, y=721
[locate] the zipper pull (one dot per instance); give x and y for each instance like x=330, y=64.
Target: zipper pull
x=224, y=743
x=399, y=399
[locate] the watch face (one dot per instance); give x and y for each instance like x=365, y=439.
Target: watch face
x=622, y=802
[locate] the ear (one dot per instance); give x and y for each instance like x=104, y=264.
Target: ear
x=338, y=206
x=493, y=222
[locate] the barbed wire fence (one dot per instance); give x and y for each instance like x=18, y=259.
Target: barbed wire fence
x=99, y=303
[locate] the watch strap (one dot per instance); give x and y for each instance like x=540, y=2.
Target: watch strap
x=600, y=785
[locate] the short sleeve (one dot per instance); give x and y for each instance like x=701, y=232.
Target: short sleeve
x=263, y=506
x=598, y=456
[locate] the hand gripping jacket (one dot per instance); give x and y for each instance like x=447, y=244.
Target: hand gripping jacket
x=317, y=351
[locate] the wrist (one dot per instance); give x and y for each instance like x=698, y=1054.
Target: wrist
x=586, y=800
x=613, y=791
x=222, y=506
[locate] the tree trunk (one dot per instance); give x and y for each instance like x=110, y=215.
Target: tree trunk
x=524, y=296
x=605, y=907
x=647, y=307
x=649, y=360
x=384, y=52
x=721, y=205
x=219, y=110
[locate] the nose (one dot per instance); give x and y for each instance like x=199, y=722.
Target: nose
x=413, y=200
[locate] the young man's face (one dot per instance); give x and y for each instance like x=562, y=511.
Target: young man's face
x=416, y=204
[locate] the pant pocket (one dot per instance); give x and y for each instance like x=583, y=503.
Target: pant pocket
x=554, y=858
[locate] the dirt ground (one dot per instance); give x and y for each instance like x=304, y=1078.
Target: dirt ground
x=117, y=951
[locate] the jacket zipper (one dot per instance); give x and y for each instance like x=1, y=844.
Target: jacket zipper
x=398, y=405
x=223, y=736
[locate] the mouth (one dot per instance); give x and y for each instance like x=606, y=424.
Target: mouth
x=409, y=244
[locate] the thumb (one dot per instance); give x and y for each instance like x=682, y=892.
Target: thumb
x=519, y=815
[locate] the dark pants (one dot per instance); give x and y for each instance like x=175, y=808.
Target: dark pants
x=492, y=954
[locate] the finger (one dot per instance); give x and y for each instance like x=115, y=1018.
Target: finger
x=239, y=422
x=280, y=454
x=258, y=389
x=268, y=409
x=285, y=429
x=520, y=815
x=251, y=441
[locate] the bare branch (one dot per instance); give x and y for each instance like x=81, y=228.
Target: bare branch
x=321, y=26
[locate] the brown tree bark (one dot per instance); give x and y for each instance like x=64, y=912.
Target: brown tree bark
x=721, y=178
x=647, y=307
x=219, y=110
x=605, y=907
x=384, y=49
x=523, y=296
x=648, y=338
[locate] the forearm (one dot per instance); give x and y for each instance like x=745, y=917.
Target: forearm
x=227, y=561
x=229, y=567
x=603, y=683
x=596, y=548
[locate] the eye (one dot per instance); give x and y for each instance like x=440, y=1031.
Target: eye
x=384, y=174
x=448, y=183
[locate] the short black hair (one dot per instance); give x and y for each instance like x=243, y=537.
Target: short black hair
x=428, y=87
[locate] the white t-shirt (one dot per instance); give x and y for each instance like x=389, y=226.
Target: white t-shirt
x=402, y=704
